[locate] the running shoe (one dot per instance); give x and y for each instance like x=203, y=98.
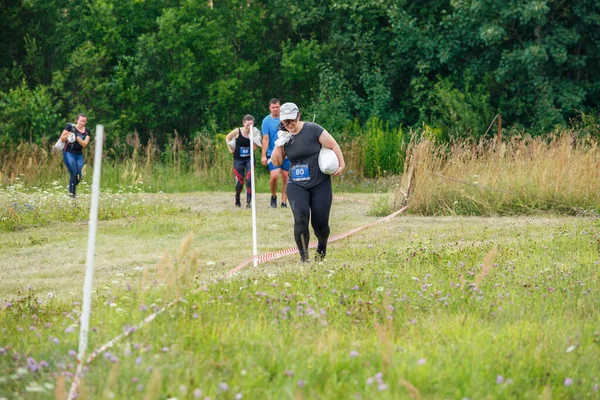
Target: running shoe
x=273, y=201
x=283, y=204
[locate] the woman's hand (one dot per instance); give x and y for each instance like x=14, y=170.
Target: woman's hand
x=277, y=156
x=82, y=142
x=340, y=169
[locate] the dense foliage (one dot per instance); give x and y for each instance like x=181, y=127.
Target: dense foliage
x=159, y=66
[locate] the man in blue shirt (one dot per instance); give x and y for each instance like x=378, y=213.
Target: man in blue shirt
x=270, y=127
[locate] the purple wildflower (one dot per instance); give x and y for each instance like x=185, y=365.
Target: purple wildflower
x=140, y=387
x=223, y=386
x=238, y=396
x=288, y=373
x=197, y=393
x=72, y=353
x=499, y=380
x=32, y=364
x=354, y=353
x=568, y=382
x=301, y=383
x=69, y=329
x=382, y=386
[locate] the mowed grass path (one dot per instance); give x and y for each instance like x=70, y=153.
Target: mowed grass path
x=415, y=307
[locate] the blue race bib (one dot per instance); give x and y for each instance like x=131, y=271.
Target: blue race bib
x=244, y=151
x=300, y=172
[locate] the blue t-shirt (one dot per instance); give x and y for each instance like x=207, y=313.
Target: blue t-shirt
x=270, y=127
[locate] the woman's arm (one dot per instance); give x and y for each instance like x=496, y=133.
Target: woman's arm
x=82, y=142
x=228, y=138
x=64, y=135
x=277, y=156
x=328, y=141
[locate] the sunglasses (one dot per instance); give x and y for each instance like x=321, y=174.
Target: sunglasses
x=288, y=121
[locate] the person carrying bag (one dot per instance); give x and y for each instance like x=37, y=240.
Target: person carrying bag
x=75, y=137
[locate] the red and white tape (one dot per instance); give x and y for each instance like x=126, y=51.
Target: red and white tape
x=294, y=250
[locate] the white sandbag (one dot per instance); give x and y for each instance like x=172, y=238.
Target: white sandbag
x=282, y=138
x=256, y=137
x=59, y=145
x=231, y=143
x=328, y=161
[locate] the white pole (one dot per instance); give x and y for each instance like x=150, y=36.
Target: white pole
x=89, y=269
x=254, y=246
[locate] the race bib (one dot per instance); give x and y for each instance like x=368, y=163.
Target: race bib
x=244, y=151
x=300, y=172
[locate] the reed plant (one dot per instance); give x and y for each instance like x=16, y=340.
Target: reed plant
x=559, y=173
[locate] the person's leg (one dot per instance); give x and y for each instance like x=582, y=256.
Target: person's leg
x=248, y=184
x=273, y=181
x=299, y=202
x=238, y=172
x=284, y=181
x=78, y=161
x=69, y=161
x=321, y=197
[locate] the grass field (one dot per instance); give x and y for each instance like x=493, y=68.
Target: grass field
x=416, y=307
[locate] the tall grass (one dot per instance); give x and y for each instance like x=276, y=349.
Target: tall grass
x=560, y=173
x=201, y=164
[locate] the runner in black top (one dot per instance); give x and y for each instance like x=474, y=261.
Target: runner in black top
x=76, y=138
x=238, y=143
x=309, y=189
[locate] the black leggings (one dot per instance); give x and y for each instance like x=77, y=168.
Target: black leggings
x=304, y=202
x=241, y=170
